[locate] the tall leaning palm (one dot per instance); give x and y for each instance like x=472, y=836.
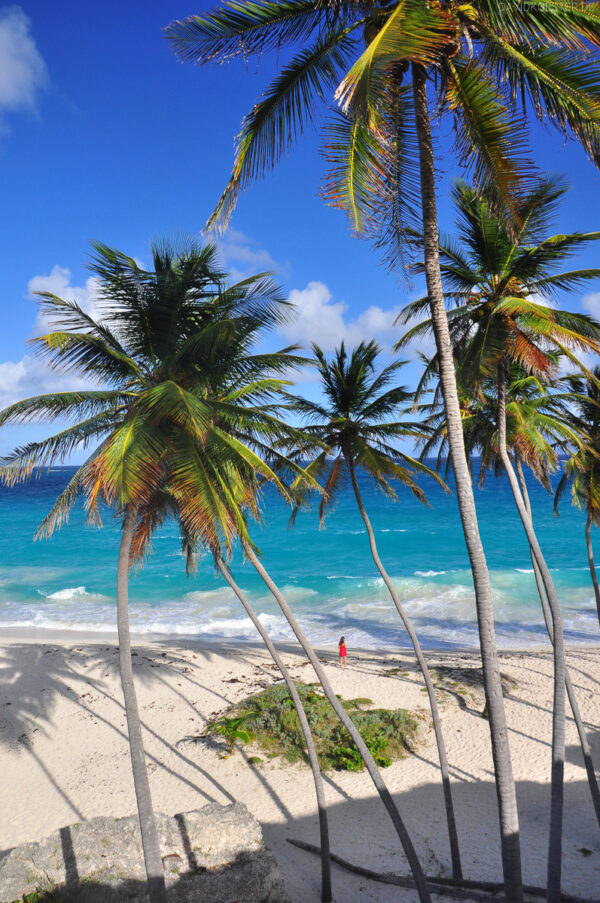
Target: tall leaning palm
x=497, y=274
x=160, y=425
x=483, y=65
x=539, y=424
x=238, y=494
x=582, y=469
x=356, y=427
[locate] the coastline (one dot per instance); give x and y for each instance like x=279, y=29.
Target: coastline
x=63, y=637
x=65, y=753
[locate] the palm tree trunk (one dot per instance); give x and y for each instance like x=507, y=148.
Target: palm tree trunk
x=154, y=868
x=558, y=709
x=308, y=737
x=583, y=740
x=590, y=554
x=374, y=774
x=437, y=726
x=505, y=785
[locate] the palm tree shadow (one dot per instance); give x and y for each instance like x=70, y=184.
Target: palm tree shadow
x=300, y=869
x=40, y=675
x=573, y=753
x=71, y=870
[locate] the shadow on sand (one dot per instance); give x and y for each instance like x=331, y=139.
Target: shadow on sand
x=38, y=675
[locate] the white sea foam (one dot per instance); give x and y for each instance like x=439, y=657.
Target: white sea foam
x=298, y=593
x=209, y=596
x=443, y=611
x=73, y=592
x=524, y=570
x=429, y=573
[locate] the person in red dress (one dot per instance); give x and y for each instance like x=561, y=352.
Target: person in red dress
x=343, y=652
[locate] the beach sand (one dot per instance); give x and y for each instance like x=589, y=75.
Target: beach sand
x=65, y=755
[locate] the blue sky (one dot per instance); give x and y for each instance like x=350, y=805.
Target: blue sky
x=104, y=135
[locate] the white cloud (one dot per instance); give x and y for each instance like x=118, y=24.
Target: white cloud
x=320, y=319
x=238, y=247
x=31, y=375
x=22, y=70
x=244, y=257
x=591, y=303
x=58, y=282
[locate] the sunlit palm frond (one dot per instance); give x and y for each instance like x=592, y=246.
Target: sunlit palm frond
x=489, y=136
x=287, y=107
x=410, y=32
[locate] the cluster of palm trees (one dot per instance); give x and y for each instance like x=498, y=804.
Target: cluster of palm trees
x=189, y=417
x=191, y=420
x=484, y=67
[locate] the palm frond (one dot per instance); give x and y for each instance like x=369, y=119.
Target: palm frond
x=489, y=137
x=411, y=32
x=237, y=28
x=285, y=110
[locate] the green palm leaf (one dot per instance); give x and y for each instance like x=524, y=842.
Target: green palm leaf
x=261, y=26
x=287, y=108
x=411, y=32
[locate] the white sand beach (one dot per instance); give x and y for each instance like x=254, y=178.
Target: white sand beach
x=65, y=756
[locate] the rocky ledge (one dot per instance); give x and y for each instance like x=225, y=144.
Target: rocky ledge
x=215, y=853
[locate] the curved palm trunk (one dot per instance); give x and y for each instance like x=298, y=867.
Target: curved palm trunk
x=590, y=554
x=154, y=868
x=374, y=774
x=306, y=732
x=505, y=785
x=558, y=708
x=437, y=726
x=583, y=740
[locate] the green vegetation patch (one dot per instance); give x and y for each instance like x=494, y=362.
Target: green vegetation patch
x=270, y=719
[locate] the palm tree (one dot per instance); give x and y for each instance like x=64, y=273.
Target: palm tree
x=582, y=469
x=234, y=497
x=164, y=429
x=492, y=275
x=326, y=896
x=238, y=495
x=365, y=753
x=489, y=64
x=354, y=425
x=538, y=424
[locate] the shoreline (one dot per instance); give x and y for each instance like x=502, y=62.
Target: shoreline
x=65, y=637
x=65, y=753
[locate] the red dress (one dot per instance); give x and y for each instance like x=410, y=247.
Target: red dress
x=343, y=651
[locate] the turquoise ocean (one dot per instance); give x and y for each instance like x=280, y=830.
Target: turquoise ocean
x=67, y=583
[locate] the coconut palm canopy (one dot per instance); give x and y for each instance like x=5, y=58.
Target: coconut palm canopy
x=537, y=426
x=186, y=416
x=491, y=61
x=582, y=469
x=356, y=423
x=497, y=276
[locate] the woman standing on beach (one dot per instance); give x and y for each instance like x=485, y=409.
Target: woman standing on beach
x=343, y=652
